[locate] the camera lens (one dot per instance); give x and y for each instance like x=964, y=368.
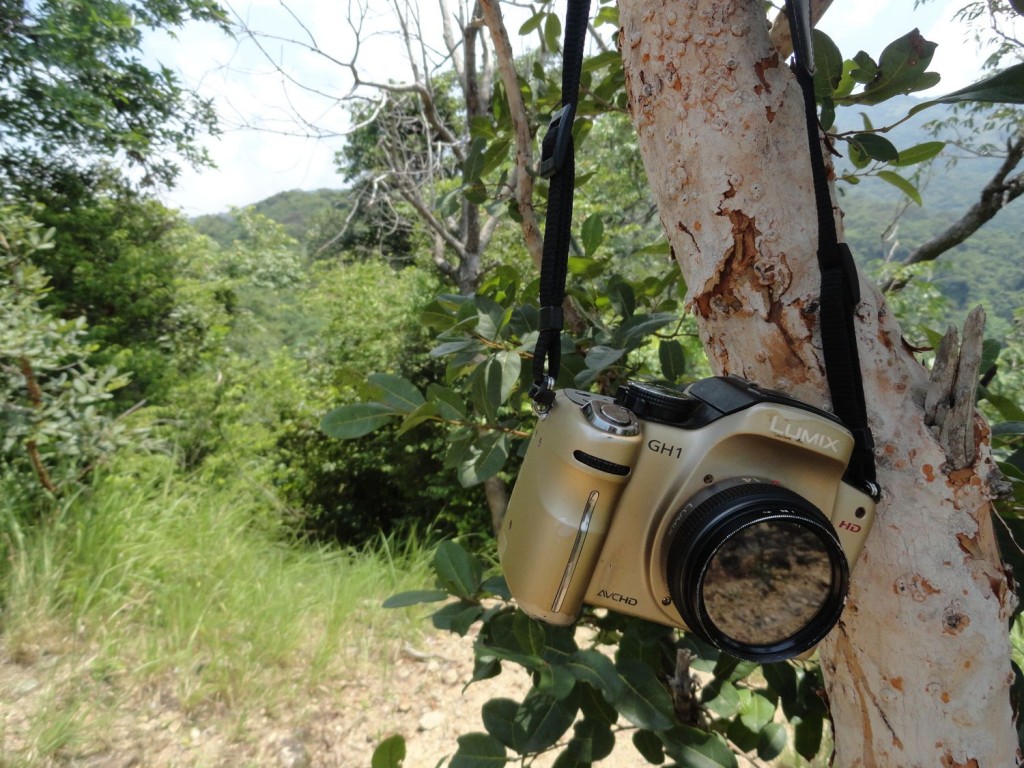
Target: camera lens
x=756, y=570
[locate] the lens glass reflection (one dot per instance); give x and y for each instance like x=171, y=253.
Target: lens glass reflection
x=767, y=581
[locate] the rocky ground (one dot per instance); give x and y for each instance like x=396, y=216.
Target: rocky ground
x=56, y=709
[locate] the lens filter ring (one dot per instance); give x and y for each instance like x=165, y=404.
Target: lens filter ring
x=756, y=570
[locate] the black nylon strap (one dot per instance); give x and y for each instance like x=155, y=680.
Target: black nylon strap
x=558, y=162
x=840, y=290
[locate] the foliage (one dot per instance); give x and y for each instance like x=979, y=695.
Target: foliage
x=174, y=583
x=606, y=668
x=56, y=427
x=120, y=262
x=263, y=255
x=631, y=329
x=73, y=87
x=347, y=491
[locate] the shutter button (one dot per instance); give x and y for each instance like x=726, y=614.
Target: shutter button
x=611, y=417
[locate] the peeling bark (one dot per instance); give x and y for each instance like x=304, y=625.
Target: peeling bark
x=918, y=669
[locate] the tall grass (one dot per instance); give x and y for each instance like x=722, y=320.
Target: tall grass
x=155, y=579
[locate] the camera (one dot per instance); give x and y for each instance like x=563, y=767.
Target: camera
x=723, y=509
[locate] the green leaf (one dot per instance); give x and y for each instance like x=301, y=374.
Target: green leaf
x=722, y=698
x=592, y=741
x=865, y=69
x=828, y=65
x=473, y=166
x=771, y=741
x=901, y=184
x=1004, y=87
x=757, y=711
x=401, y=394
x=414, y=597
x=389, y=753
x=608, y=15
x=622, y=296
x=807, y=733
x=1008, y=429
x=649, y=746
x=456, y=617
x=529, y=634
x=555, y=680
x=348, y=422
x=901, y=70
x=448, y=403
x=532, y=23
x=553, y=32
x=498, y=716
x=673, y=359
x=457, y=570
x=643, y=699
x=919, y=153
x=478, y=750
x=693, y=748
x=490, y=317
x=425, y=412
x=592, y=234
x=781, y=677
x=542, y=720
x=877, y=147
x=600, y=357
x=1007, y=407
x=485, y=459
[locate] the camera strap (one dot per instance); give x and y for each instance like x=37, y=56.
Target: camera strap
x=840, y=289
x=558, y=163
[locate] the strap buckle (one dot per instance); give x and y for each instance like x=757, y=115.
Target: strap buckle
x=543, y=395
x=556, y=142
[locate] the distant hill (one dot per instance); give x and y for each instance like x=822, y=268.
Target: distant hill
x=293, y=209
x=989, y=267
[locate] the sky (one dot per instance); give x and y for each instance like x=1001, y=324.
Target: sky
x=268, y=96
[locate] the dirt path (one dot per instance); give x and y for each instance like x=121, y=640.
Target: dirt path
x=57, y=710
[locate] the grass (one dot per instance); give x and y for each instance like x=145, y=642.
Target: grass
x=151, y=580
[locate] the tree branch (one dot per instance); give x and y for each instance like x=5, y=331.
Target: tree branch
x=521, y=125
x=996, y=195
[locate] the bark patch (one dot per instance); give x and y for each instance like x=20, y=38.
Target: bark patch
x=948, y=761
x=915, y=586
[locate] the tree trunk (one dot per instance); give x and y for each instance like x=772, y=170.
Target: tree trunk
x=918, y=670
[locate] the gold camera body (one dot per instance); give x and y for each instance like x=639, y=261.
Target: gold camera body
x=722, y=509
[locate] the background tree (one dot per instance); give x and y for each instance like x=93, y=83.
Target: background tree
x=75, y=89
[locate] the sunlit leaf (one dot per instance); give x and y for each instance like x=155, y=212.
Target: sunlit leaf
x=397, y=392
x=390, y=753
x=457, y=570
x=901, y=184
x=592, y=234
x=919, y=153
x=414, y=597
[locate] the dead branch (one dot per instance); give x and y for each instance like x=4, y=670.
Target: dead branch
x=950, y=399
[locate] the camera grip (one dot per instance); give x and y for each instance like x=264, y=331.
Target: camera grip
x=561, y=509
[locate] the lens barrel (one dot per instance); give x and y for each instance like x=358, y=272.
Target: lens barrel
x=756, y=570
